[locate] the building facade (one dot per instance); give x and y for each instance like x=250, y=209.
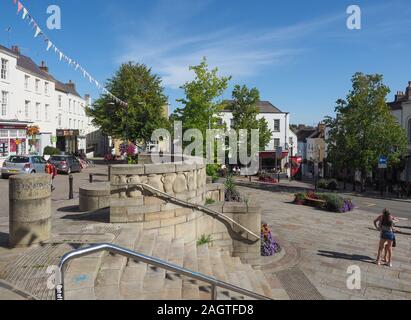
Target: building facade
x=401, y=109
x=283, y=143
x=32, y=97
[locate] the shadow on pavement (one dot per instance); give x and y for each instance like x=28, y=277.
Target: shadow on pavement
x=70, y=209
x=4, y=240
x=102, y=215
x=344, y=256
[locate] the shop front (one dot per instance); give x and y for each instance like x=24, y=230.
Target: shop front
x=13, y=139
x=67, y=141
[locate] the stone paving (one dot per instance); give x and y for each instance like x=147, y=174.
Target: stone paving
x=323, y=245
x=319, y=247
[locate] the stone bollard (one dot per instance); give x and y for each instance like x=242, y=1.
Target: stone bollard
x=30, y=209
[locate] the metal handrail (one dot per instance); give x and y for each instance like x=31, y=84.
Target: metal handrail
x=188, y=204
x=150, y=261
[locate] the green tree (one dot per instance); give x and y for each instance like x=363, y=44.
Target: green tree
x=364, y=128
x=202, y=102
x=135, y=84
x=245, y=113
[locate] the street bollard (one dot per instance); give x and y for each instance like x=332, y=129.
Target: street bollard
x=91, y=178
x=71, y=195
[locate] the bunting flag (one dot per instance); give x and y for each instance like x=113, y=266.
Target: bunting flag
x=50, y=45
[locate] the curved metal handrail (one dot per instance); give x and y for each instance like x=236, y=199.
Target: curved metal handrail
x=151, y=261
x=189, y=204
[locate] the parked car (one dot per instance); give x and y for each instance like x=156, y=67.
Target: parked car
x=66, y=164
x=22, y=165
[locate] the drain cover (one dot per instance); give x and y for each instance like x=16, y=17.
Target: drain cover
x=297, y=285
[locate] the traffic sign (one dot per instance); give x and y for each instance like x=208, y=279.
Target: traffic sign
x=383, y=162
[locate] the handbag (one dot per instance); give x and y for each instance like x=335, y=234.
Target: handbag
x=394, y=243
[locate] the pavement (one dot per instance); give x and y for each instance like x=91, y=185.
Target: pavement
x=319, y=246
x=324, y=245
x=369, y=202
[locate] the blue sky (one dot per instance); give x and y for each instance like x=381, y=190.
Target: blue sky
x=299, y=54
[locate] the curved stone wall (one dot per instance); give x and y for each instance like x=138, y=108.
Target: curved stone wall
x=131, y=204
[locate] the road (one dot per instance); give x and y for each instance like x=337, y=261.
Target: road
x=398, y=208
x=61, y=183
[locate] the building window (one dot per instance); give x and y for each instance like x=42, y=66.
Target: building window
x=37, y=86
x=276, y=125
x=4, y=103
x=46, y=88
x=60, y=103
x=70, y=124
x=59, y=120
x=27, y=109
x=4, y=69
x=46, y=112
x=69, y=105
x=276, y=143
x=26, y=82
x=37, y=111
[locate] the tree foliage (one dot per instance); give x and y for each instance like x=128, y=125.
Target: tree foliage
x=142, y=90
x=364, y=128
x=245, y=113
x=202, y=103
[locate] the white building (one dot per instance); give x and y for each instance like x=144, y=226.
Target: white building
x=30, y=96
x=401, y=109
x=282, y=138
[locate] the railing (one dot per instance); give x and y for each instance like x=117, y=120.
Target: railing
x=150, y=261
x=188, y=204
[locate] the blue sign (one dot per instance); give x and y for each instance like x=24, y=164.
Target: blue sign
x=383, y=162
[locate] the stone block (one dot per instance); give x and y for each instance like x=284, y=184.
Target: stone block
x=134, y=215
x=169, y=206
x=173, y=221
x=183, y=167
x=149, y=225
x=183, y=211
x=187, y=231
x=232, y=207
x=160, y=215
x=126, y=169
x=127, y=202
x=153, y=201
x=159, y=168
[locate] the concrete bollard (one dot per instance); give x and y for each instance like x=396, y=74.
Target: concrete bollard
x=30, y=209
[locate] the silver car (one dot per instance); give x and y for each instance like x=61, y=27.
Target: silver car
x=23, y=165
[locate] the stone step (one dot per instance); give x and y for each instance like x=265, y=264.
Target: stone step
x=131, y=285
x=107, y=284
x=190, y=289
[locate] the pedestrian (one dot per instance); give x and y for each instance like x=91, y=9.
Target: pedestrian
x=51, y=170
x=385, y=224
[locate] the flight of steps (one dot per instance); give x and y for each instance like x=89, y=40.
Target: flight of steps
x=121, y=278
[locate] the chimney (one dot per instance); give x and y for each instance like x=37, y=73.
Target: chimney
x=72, y=85
x=408, y=90
x=44, y=67
x=399, y=96
x=15, y=49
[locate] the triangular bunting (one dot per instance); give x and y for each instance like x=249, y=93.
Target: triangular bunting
x=25, y=12
x=19, y=7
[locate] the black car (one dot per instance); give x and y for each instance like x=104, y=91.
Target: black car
x=66, y=164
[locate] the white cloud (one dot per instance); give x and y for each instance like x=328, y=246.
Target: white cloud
x=170, y=48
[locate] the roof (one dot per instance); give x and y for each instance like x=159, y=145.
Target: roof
x=263, y=107
x=304, y=134
x=29, y=65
